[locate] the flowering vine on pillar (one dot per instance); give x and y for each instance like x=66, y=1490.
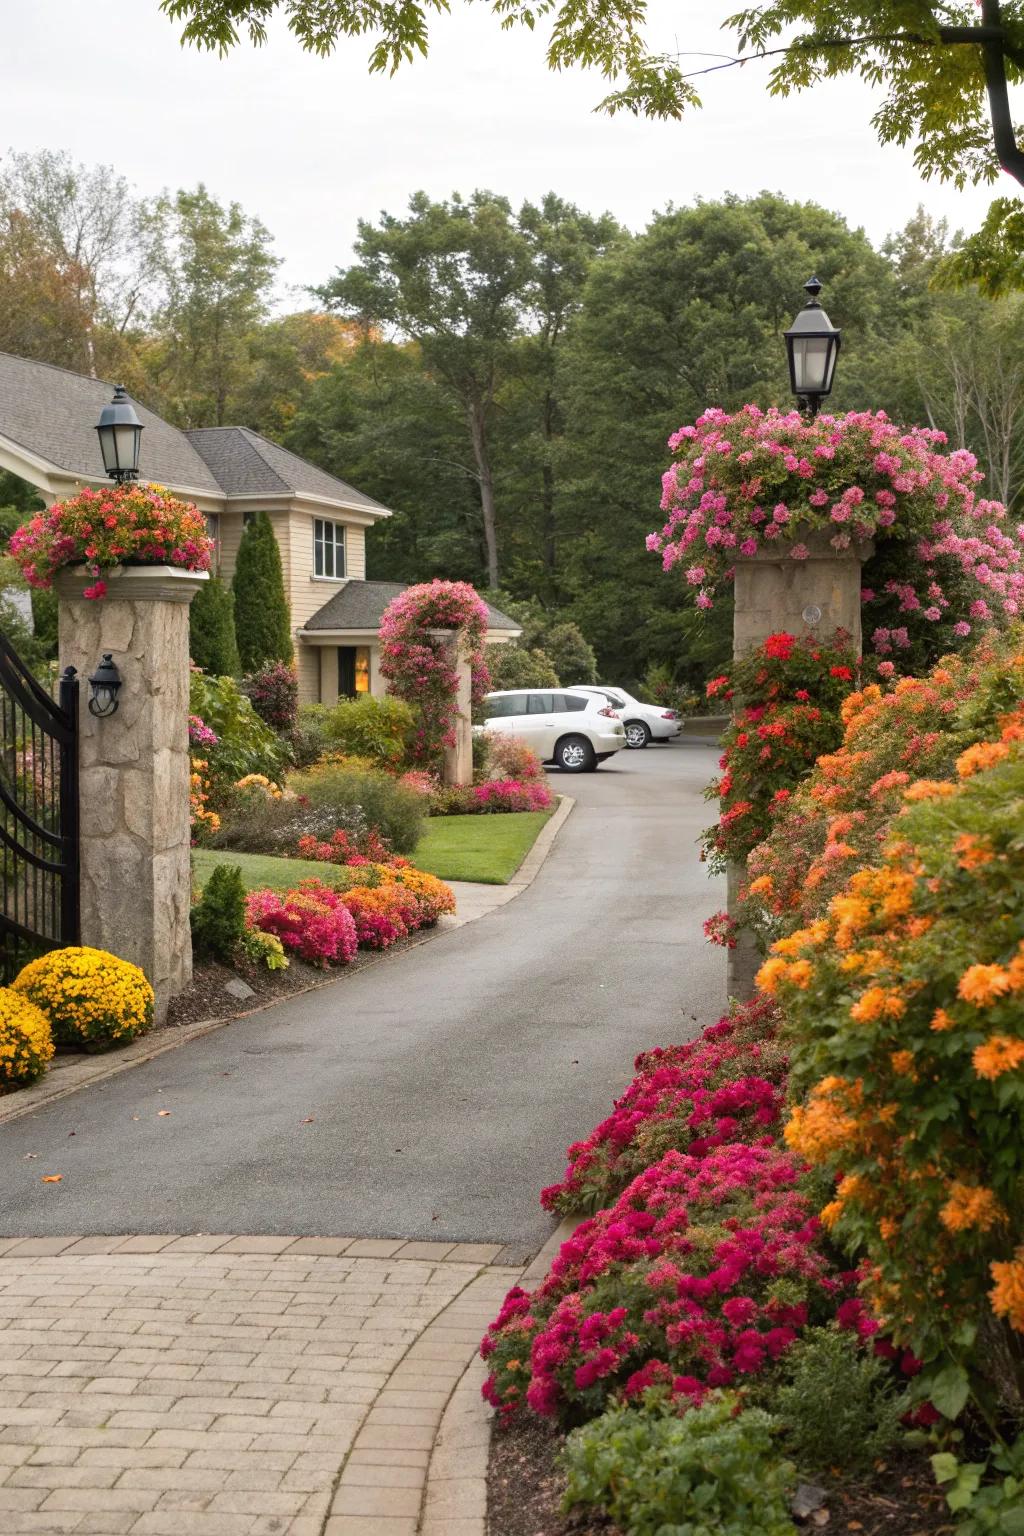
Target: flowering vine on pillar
x=417, y=663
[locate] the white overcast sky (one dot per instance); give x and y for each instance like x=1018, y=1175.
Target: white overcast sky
x=310, y=145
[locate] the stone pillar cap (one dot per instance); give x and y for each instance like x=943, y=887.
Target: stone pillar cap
x=133, y=583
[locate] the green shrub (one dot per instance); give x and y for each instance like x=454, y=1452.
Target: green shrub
x=841, y=1406
x=309, y=738
x=511, y=666
x=262, y=621
x=391, y=808
x=992, y=1508
x=245, y=744
x=712, y=1472
x=379, y=729
x=264, y=949
x=211, y=629
x=218, y=920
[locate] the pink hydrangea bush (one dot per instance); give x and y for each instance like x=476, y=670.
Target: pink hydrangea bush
x=312, y=921
x=703, y=1274
x=348, y=848
x=724, y=1087
x=132, y=524
x=417, y=663
x=759, y=480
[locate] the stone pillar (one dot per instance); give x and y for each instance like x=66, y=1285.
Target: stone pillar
x=808, y=597
x=458, y=760
x=134, y=768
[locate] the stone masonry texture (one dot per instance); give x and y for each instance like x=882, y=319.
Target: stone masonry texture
x=134, y=771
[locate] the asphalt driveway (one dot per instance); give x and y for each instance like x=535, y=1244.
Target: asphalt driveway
x=432, y=1095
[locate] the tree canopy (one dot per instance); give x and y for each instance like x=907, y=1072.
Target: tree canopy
x=944, y=67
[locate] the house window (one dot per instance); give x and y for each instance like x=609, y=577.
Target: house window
x=328, y=548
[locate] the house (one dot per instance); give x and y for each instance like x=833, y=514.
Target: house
x=48, y=437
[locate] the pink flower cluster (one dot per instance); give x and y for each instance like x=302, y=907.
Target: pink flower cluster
x=712, y=1266
x=132, y=524
x=512, y=795
x=200, y=734
x=725, y=1086
x=343, y=848
x=312, y=921
x=417, y=662
x=741, y=480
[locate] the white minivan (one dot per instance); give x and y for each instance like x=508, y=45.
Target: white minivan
x=565, y=726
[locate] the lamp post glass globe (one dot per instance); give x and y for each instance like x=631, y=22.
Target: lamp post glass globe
x=812, y=344
x=120, y=435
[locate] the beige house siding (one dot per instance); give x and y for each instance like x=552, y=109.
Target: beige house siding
x=307, y=665
x=306, y=592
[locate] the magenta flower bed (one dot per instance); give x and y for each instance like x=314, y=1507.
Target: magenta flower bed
x=725, y=1086
x=311, y=921
x=704, y=1271
x=513, y=795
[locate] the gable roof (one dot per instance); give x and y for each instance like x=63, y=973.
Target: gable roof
x=361, y=604
x=247, y=464
x=52, y=414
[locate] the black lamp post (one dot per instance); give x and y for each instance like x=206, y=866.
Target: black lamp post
x=812, y=343
x=120, y=434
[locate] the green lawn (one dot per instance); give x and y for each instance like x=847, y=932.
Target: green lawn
x=485, y=848
x=258, y=868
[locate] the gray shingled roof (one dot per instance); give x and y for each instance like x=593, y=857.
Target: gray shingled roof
x=53, y=413
x=246, y=464
x=361, y=605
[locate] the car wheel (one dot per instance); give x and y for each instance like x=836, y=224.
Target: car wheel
x=638, y=734
x=575, y=754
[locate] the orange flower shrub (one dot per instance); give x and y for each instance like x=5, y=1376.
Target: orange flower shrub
x=911, y=743
x=904, y=1013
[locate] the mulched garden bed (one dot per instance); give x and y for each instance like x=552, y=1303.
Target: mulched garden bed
x=525, y=1487
x=206, y=997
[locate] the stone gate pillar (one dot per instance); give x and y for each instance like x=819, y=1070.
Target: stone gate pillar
x=804, y=597
x=458, y=760
x=134, y=768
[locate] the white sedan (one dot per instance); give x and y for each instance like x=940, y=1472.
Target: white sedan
x=575, y=728
x=643, y=722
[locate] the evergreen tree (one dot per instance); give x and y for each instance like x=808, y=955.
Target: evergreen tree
x=211, y=628
x=262, y=621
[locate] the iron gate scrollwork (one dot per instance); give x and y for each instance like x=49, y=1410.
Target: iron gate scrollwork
x=38, y=814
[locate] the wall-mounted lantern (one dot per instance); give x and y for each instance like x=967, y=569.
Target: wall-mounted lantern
x=104, y=686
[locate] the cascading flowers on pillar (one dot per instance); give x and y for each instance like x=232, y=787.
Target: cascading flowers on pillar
x=131, y=524
x=417, y=663
x=758, y=480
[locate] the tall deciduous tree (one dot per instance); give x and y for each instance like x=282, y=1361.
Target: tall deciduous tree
x=451, y=277
x=262, y=623
x=218, y=271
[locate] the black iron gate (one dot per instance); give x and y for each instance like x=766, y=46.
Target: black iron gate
x=38, y=814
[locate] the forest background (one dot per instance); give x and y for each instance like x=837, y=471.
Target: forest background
x=504, y=378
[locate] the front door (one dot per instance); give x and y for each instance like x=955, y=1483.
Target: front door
x=346, y=671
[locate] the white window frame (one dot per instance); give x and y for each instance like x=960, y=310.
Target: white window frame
x=335, y=546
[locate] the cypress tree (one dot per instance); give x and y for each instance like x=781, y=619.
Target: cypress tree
x=211, y=630
x=262, y=621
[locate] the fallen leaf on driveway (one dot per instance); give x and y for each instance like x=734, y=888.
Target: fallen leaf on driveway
x=309, y=1120
x=163, y=1111
x=52, y=1178
x=30, y=1154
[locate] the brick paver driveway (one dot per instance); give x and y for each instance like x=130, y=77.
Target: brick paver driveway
x=230, y=1386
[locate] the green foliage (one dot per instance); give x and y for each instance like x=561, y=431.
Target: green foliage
x=712, y=1472
x=392, y=809
x=264, y=949
x=840, y=1407
x=245, y=743
x=993, y=1508
x=211, y=629
x=379, y=729
x=551, y=632
x=262, y=623
x=218, y=919
x=512, y=666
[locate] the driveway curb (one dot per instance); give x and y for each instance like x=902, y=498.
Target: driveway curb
x=455, y=1495
x=84, y=1072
